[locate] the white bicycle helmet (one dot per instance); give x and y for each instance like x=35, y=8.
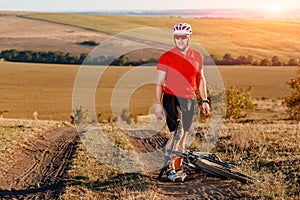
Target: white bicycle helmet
x=182, y=28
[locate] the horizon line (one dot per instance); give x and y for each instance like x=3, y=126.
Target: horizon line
x=141, y=9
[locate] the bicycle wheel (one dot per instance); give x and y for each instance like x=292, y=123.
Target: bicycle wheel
x=216, y=168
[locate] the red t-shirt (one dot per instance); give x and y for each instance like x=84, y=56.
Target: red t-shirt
x=182, y=72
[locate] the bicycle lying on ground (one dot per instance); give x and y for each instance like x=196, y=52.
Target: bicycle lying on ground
x=195, y=162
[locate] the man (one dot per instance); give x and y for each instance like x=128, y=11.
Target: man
x=179, y=75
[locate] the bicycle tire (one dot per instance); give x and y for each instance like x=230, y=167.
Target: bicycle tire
x=217, y=169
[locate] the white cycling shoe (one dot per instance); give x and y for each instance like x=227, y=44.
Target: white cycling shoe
x=178, y=176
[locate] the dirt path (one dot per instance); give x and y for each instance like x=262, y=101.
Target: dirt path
x=201, y=187
x=36, y=169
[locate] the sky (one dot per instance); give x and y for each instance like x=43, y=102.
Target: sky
x=104, y=5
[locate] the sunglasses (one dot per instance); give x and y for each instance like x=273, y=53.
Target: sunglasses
x=182, y=37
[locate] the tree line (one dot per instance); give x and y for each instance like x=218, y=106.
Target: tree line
x=57, y=57
x=228, y=59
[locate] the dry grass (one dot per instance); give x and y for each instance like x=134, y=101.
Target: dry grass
x=268, y=82
x=270, y=152
x=47, y=89
x=90, y=179
x=260, y=38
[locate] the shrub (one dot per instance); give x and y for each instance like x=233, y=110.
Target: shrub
x=237, y=100
x=293, y=100
x=89, y=43
x=125, y=116
x=80, y=116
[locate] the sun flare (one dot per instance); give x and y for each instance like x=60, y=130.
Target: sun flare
x=274, y=9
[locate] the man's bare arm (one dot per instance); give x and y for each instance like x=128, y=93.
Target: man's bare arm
x=203, y=93
x=160, y=81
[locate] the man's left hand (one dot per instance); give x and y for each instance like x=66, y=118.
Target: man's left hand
x=205, y=108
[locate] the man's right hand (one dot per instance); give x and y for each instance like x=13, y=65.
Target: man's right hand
x=159, y=111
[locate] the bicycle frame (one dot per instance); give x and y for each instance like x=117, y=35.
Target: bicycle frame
x=212, y=164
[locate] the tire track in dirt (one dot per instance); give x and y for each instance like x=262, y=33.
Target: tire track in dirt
x=36, y=169
x=199, y=186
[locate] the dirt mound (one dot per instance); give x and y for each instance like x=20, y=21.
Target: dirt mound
x=35, y=170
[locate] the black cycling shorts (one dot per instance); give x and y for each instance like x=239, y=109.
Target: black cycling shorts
x=186, y=105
